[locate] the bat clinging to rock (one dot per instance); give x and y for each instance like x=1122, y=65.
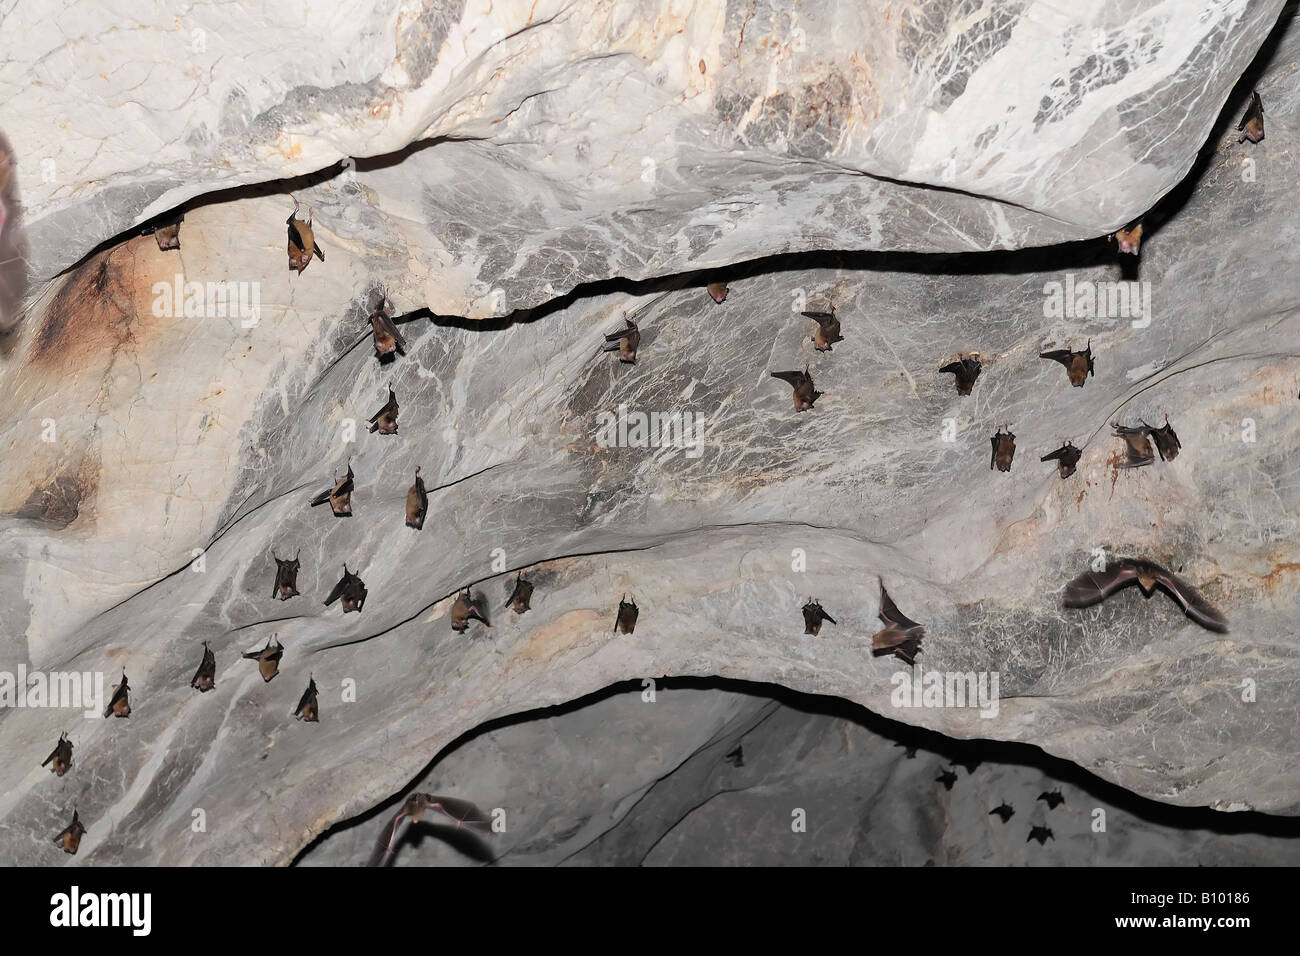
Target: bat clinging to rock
x=302, y=243
x=813, y=616
x=947, y=778
x=465, y=609
x=1251, y=126
x=627, y=613
x=268, y=658
x=1041, y=834
x=60, y=756
x=901, y=636
x=1004, y=812
x=70, y=839
x=521, y=596
x=737, y=757
x=339, y=495
x=384, y=421
x=1078, y=365
x=1137, y=447
x=388, y=341
x=718, y=291
x=205, y=678
x=805, y=393
x=1129, y=240
x=308, y=710
x=286, y=577
x=1066, y=457
x=966, y=368
x=1052, y=798
x=1093, y=587
x=120, y=704
x=417, y=503
x=351, y=589
x=462, y=812
x=166, y=231
x=1166, y=440
x=625, y=342
x=1004, y=449
x=828, y=330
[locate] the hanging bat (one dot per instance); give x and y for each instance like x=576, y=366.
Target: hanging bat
x=718, y=290
x=813, y=615
x=464, y=813
x=268, y=658
x=1166, y=440
x=388, y=341
x=804, y=391
x=166, y=231
x=1137, y=447
x=1041, y=834
x=1052, y=798
x=1251, y=126
x=120, y=704
x=385, y=420
x=900, y=636
x=828, y=330
x=286, y=577
x=1005, y=812
x=351, y=589
x=61, y=756
x=737, y=757
x=626, y=620
x=1078, y=365
x=205, y=678
x=1066, y=457
x=1093, y=587
x=966, y=369
x=308, y=710
x=1129, y=240
x=947, y=778
x=464, y=610
x=969, y=764
x=1004, y=449
x=339, y=495
x=70, y=838
x=417, y=503
x=301, y=241
x=625, y=342
x=521, y=596
x=909, y=750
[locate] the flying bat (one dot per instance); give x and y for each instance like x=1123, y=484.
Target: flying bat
x=61, y=756
x=166, y=231
x=625, y=342
x=205, y=678
x=268, y=658
x=828, y=330
x=813, y=616
x=626, y=620
x=1005, y=812
x=1166, y=440
x=339, y=495
x=308, y=710
x=464, y=610
x=900, y=636
x=286, y=577
x=1137, y=447
x=1129, y=240
x=1066, y=457
x=70, y=838
x=301, y=241
x=966, y=369
x=718, y=290
x=1052, y=798
x=1041, y=834
x=947, y=778
x=1004, y=449
x=804, y=391
x=1078, y=365
x=464, y=813
x=417, y=503
x=388, y=341
x=737, y=757
x=120, y=704
x=521, y=596
x=1092, y=587
x=384, y=421
x=351, y=589
x=1251, y=126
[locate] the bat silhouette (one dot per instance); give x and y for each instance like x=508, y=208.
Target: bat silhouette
x=384, y=421
x=205, y=678
x=461, y=812
x=1078, y=365
x=1092, y=587
x=351, y=589
x=627, y=613
x=70, y=839
x=813, y=616
x=1251, y=126
x=339, y=495
x=947, y=778
x=120, y=704
x=626, y=342
x=1004, y=449
x=1005, y=812
x=286, y=576
x=966, y=369
x=901, y=635
x=909, y=750
x=1041, y=834
x=308, y=710
x=268, y=658
x=61, y=756
x=737, y=757
x=1052, y=798
x=828, y=330
x=805, y=393
x=388, y=341
x=1066, y=457
x=417, y=503
x=521, y=595
x=1137, y=447
x=301, y=241
x=465, y=609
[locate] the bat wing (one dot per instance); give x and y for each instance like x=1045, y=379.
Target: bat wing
x=321, y=498
x=208, y=658
x=462, y=811
x=993, y=455
x=616, y=336
x=1092, y=587
x=1055, y=455
x=822, y=318
x=795, y=379
x=827, y=617
x=957, y=368
x=890, y=614
x=1058, y=355
x=391, y=328
x=294, y=235
x=337, y=592
x=316, y=249
x=1195, y=606
x=306, y=697
x=53, y=753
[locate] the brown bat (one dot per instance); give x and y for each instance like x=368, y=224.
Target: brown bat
x=286, y=577
x=901, y=635
x=1066, y=457
x=1041, y=834
x=967, y=369
x=268, y=658
x=1129, y=240
x=301, y=241
x=385, y=420
x=70, y=839
x=1166, y=440
x=1078, y=365
x=417, y=503
x=1004, y=449
x=464, y=813
x=205, y=678
x=947, y=778
x=813, y=616
x=1137, y=447
x=1251, y=126
x=166, y=231
x=120, y=704
x=1005, y=812
x=626, y=619
x=828, y=330
x=1052, y=798
x=308, y=710
x=737, y=757
x=61, y=756
x=626, y=342
x=1093, y=587
x=339, y=495
x=521, y=596
x=388, y=341
x=805, y=393
x=464, y=610
x=718, y=290
x=351, y=589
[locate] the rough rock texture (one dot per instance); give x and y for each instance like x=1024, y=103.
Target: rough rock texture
x=175, y=436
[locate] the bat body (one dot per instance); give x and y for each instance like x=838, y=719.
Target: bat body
x=339, y=495
x=828, y=330
x=166, y=231
x=813, y=616
x=1251, y=126
x=1004, y=812
x=1166, y=440
x=947, y=778
x=1137, y=447
x=1093, y=587
x=286, y=577
x=966, y=369
x=384, y=421
x=351, y=589
x=805, y=393
x=388, y=341
x=718, y=291
x=521, y=596
x=900, y=636
x=417, y=503
x=465, y=609
x=70, y=839
x=909, y=750
x=120, y=704
x=625, y=342
x=1129, y=240
x=1078, y=365
x=1052, y=798
x=737, y=757
x=1066, y=458
x=60, y=756
x=308, y=710
x=302, y=243
x=205, y=678
x=268, y=658
x=461, y=812
x=1041, y=834
x=627, y=614
x=1004, y=449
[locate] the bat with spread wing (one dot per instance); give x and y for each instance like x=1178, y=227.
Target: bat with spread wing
x=1093, y=587
x=901, y=635
x=828, y=330
x=813, y=616
x=966, y=368
x=461, y=812
x=805, y=393
x=384, y=421
x=1078, y=365
x=339, y=494
x=625, y=342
